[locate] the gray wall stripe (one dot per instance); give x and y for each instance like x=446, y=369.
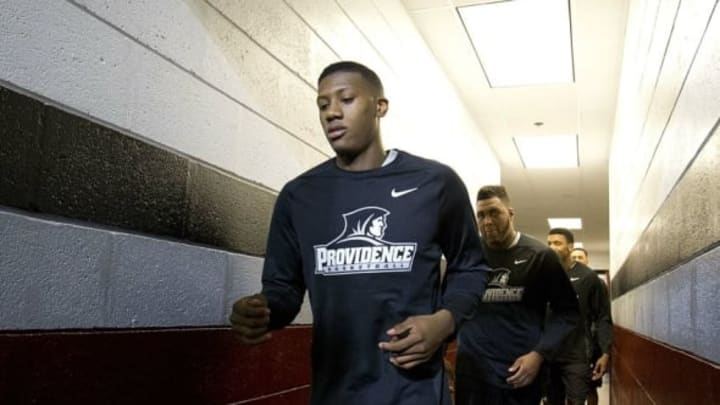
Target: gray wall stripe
x=685, y=226
x=57, y=163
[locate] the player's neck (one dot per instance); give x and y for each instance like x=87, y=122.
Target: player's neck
x=368, y=159
x=507, y=242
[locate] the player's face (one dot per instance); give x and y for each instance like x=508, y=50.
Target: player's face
x=560, y=245
x=350, y=111
x=579, y=256
x=494, y=220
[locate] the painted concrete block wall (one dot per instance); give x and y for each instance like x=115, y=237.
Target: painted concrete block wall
x=237, y=87
x=227, y=84
x=677, y=308
x=221, y=93
x=667, y=108
x=72, y=276
x=664, y=211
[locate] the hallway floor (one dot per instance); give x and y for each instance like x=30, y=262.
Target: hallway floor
x=604, y=391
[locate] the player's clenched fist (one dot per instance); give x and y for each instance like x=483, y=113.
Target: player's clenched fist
x=250, y=318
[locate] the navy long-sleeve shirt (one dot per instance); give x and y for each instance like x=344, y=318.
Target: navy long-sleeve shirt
x=367, y=246
x=594, y=310
x=511, y=321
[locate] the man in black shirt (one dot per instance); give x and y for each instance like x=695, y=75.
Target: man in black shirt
x=571, y=370
x=364, y=233
x=600, y=358
x=501, y=349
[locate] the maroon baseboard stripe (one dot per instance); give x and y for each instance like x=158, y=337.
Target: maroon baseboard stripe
x=188, y=366
x=645, y=371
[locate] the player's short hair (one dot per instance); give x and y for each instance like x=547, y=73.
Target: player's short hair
x=569, y=237
x=349, y=66
x=582, y=250
x=487, y=192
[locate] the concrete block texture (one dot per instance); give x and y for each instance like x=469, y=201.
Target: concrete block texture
x=192, y=34
x=660, y=310
x=244, y=278
x=160, y=283
x=218, y=80
x=133, y=87
x=223, y=211
x=678, y=308
x=661, y=125
x=20, y=134
x=51, y=275
x=706, y=304
x=682, y=331
x=58, y=275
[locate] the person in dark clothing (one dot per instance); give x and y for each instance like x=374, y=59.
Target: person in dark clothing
x=364, y=233
x=571, y=370
x=580, y=255
x=501, y=349
x=599, y=359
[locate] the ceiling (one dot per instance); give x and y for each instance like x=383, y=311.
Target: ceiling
x=585, y=107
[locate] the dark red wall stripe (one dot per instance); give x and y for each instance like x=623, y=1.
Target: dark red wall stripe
x=188, y=366
x=645, y=371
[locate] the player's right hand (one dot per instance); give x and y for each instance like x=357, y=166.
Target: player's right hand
x=250, y=319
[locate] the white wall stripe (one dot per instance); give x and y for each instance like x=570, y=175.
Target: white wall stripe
x=60, y=275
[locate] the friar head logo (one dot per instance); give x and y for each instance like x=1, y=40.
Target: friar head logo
x=361, y=247
x=366, y=224
x=500, y=277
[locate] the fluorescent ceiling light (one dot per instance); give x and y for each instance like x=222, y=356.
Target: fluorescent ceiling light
x=547, y=151
x=521, y=42
x=577, y=245
x=568, y=223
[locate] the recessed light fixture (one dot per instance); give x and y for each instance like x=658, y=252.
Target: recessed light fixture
x=568, y=223
x=547, y=151
x=521, y=42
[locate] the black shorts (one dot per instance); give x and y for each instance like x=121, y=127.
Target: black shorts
x=472, y=391
x=569, y=380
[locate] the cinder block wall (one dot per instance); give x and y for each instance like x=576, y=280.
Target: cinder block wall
x=664, y=210
x=142, y=146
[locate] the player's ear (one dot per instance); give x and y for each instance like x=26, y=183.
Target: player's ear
x=381, y=106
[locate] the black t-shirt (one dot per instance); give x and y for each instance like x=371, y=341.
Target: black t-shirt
x=511, y=321
x=594, y=310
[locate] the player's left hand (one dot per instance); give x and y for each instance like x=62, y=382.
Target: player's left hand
x=601, y=366
x=524, y=370
x=414, y=340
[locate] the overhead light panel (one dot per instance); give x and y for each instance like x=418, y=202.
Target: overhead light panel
x=567, y=223
x=521, y=42
x=547, y=151
x=577, y=245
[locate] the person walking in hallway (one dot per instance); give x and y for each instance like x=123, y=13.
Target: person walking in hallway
x=600, y=357
x=580, y=255
x=502, y=348
x=364, y=233
x=572, y=370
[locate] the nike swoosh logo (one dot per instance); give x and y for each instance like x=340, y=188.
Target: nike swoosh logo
x=574, y=278
x=520, y=261
x=396, y=194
